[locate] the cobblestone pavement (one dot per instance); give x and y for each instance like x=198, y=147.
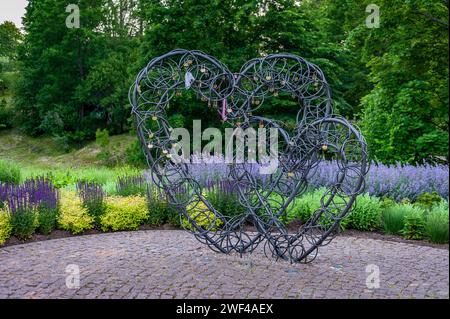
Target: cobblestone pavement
x=172, y=264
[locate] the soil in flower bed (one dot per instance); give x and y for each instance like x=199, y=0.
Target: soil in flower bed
x=56, y=234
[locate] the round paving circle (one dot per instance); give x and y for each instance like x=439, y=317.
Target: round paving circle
x=172, y=264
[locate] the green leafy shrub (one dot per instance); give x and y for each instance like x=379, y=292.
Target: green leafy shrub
x=62, y=141
x=309, y=204
x=427, y=201
x=47, y=219
x=437, y=223
x=6, y=114
x=414, y=222
x=225, y=202
x=304, y=206
x=109, y=153
x=160, y=211
x=135, y=155
x=124, y=213
x=387, y=202
x=5, y=226
x=24, y=223
x=233, y=213
x=73, y=216
x=393, y=218
x=199, y=213
x=61, y=179
x=405, y=201
x=3, y=86
x=173, y=216
x=9, y=172
x=157, y=213
x=102, y=138
x=366, y=214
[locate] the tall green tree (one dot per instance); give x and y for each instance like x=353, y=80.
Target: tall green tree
x=393, y=79
x=10, y=38
x=74, y=80
x=304, y=28
x=224, y=29
x=236, y=31
x=405, y=116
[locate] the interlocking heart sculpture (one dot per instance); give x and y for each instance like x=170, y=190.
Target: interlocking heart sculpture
x=318, y=138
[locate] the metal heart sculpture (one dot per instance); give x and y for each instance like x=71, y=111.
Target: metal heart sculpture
x=317, y=137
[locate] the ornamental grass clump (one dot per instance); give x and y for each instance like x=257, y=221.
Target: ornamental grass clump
x=92, y=197
x=393, y=218
x=9, y=172
x=437, y=223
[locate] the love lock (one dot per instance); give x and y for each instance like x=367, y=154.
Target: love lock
x=318, y=134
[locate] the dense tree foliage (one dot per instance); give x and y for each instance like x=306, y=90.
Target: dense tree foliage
x=10, y=38
x=405, y=116
x=74, y=80
x=391, y=80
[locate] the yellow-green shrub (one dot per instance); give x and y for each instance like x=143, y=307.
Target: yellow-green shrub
x=124, y=213
x=202, y=216
x=5, y=226
x=73, y=216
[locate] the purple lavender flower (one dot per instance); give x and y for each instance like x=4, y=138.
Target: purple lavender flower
x=395, y=181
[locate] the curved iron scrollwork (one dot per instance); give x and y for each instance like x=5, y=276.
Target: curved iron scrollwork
x=266, y=199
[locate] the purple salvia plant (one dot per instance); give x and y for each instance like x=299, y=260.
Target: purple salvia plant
x=92, y=197
x=32, y=194
x=90, y=192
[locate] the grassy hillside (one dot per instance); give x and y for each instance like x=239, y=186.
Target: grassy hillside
x=45, y=153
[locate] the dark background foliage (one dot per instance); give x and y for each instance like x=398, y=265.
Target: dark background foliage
x=392, y=81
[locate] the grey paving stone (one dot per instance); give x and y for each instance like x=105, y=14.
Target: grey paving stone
x=172, y=264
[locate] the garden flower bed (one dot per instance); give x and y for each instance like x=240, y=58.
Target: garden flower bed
x=406, y=201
